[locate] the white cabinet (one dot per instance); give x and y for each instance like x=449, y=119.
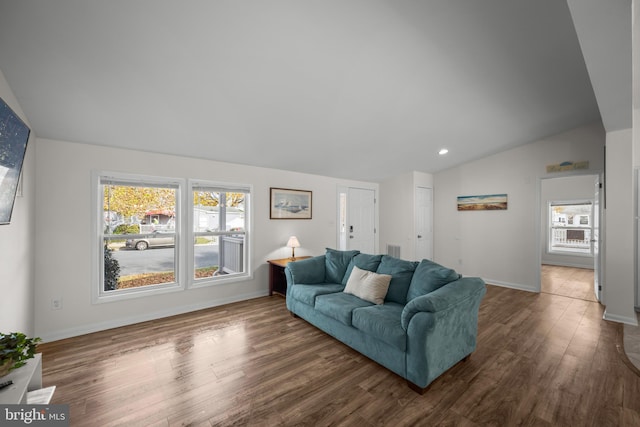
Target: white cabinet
x=25, y=378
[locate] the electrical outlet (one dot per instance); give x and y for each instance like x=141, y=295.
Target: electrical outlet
x=56, y=303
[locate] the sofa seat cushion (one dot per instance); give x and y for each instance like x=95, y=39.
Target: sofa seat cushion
x=383, y=323
x=339, y=306
x=308, y=293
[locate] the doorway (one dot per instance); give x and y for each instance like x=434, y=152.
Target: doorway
x=569, y=225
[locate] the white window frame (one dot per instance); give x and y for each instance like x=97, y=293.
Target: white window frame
x=247, y=246
x=550, y=227
x=99, y=295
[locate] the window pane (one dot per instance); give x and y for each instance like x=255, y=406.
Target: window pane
x=206, y=250
x=234, y=210
x=140, y=236
x=216, y=213
x=232, y=254
x=206, y=210
x=570, y=228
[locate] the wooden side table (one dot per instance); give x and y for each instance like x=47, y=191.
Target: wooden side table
x=277, y=278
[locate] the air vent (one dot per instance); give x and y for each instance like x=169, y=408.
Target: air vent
x=393, y=250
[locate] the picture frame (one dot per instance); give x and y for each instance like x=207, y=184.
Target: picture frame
x=288, y=203
x=486, y=202
x=14, y=137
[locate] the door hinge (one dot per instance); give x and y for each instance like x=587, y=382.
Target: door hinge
x=599, y=287
x=600, y=185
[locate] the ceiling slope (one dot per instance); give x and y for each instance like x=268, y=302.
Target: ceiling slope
x=364, y=89
x=605, y=33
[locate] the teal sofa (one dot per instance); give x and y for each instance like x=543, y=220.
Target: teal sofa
x=427, y=323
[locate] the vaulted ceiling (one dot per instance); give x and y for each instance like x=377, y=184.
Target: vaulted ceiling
x=361, y=89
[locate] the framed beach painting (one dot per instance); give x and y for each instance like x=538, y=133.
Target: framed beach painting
x=290, y=204
x=488, y=202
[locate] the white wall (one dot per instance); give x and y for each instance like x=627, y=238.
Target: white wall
x=503, y=246
x=63, y=262
x=17, y=242
x=396, y=203
x=619, y=280
x=564, y=189
x=397, y=211
x=636, y=119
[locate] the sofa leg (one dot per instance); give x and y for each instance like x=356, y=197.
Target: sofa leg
x=417, y=388
x=295, y=316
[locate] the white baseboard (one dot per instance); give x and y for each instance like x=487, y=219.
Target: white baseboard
x=116, y=323
x=517, y=286
x=627, y=320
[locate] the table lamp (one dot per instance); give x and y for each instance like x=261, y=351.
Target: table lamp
x=293, y=243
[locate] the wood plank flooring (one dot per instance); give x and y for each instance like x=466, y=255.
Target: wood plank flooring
x=542, y=360
x=568, y=281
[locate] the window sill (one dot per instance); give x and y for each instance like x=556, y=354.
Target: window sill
x=137, y=293
x=220, y=280
x=569, y=253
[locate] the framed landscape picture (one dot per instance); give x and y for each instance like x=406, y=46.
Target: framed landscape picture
x=290, y=204
x=488, y=202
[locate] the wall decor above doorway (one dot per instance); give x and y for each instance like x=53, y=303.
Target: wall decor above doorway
x=567, y=166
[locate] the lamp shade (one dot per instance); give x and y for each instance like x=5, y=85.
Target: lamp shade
x=293, y=242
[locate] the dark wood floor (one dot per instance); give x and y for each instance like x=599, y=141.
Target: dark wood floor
x=542, y=360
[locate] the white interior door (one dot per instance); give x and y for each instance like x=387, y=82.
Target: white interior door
x=424, y=223
x=360, y=222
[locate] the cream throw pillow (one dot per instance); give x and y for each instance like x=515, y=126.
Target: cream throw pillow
x=368, y=285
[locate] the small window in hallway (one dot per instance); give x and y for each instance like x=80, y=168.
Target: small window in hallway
x=570, y=227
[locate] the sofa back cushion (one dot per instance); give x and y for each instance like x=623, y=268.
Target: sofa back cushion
x=428, y=277
x=336, y=263
x=401, y=272
x=363, y=262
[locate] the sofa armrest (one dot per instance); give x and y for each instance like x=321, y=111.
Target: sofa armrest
x=307, y=271
x=448, y=296
x=442, y=328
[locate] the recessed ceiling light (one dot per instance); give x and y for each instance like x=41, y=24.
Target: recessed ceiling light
x=443, y=151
